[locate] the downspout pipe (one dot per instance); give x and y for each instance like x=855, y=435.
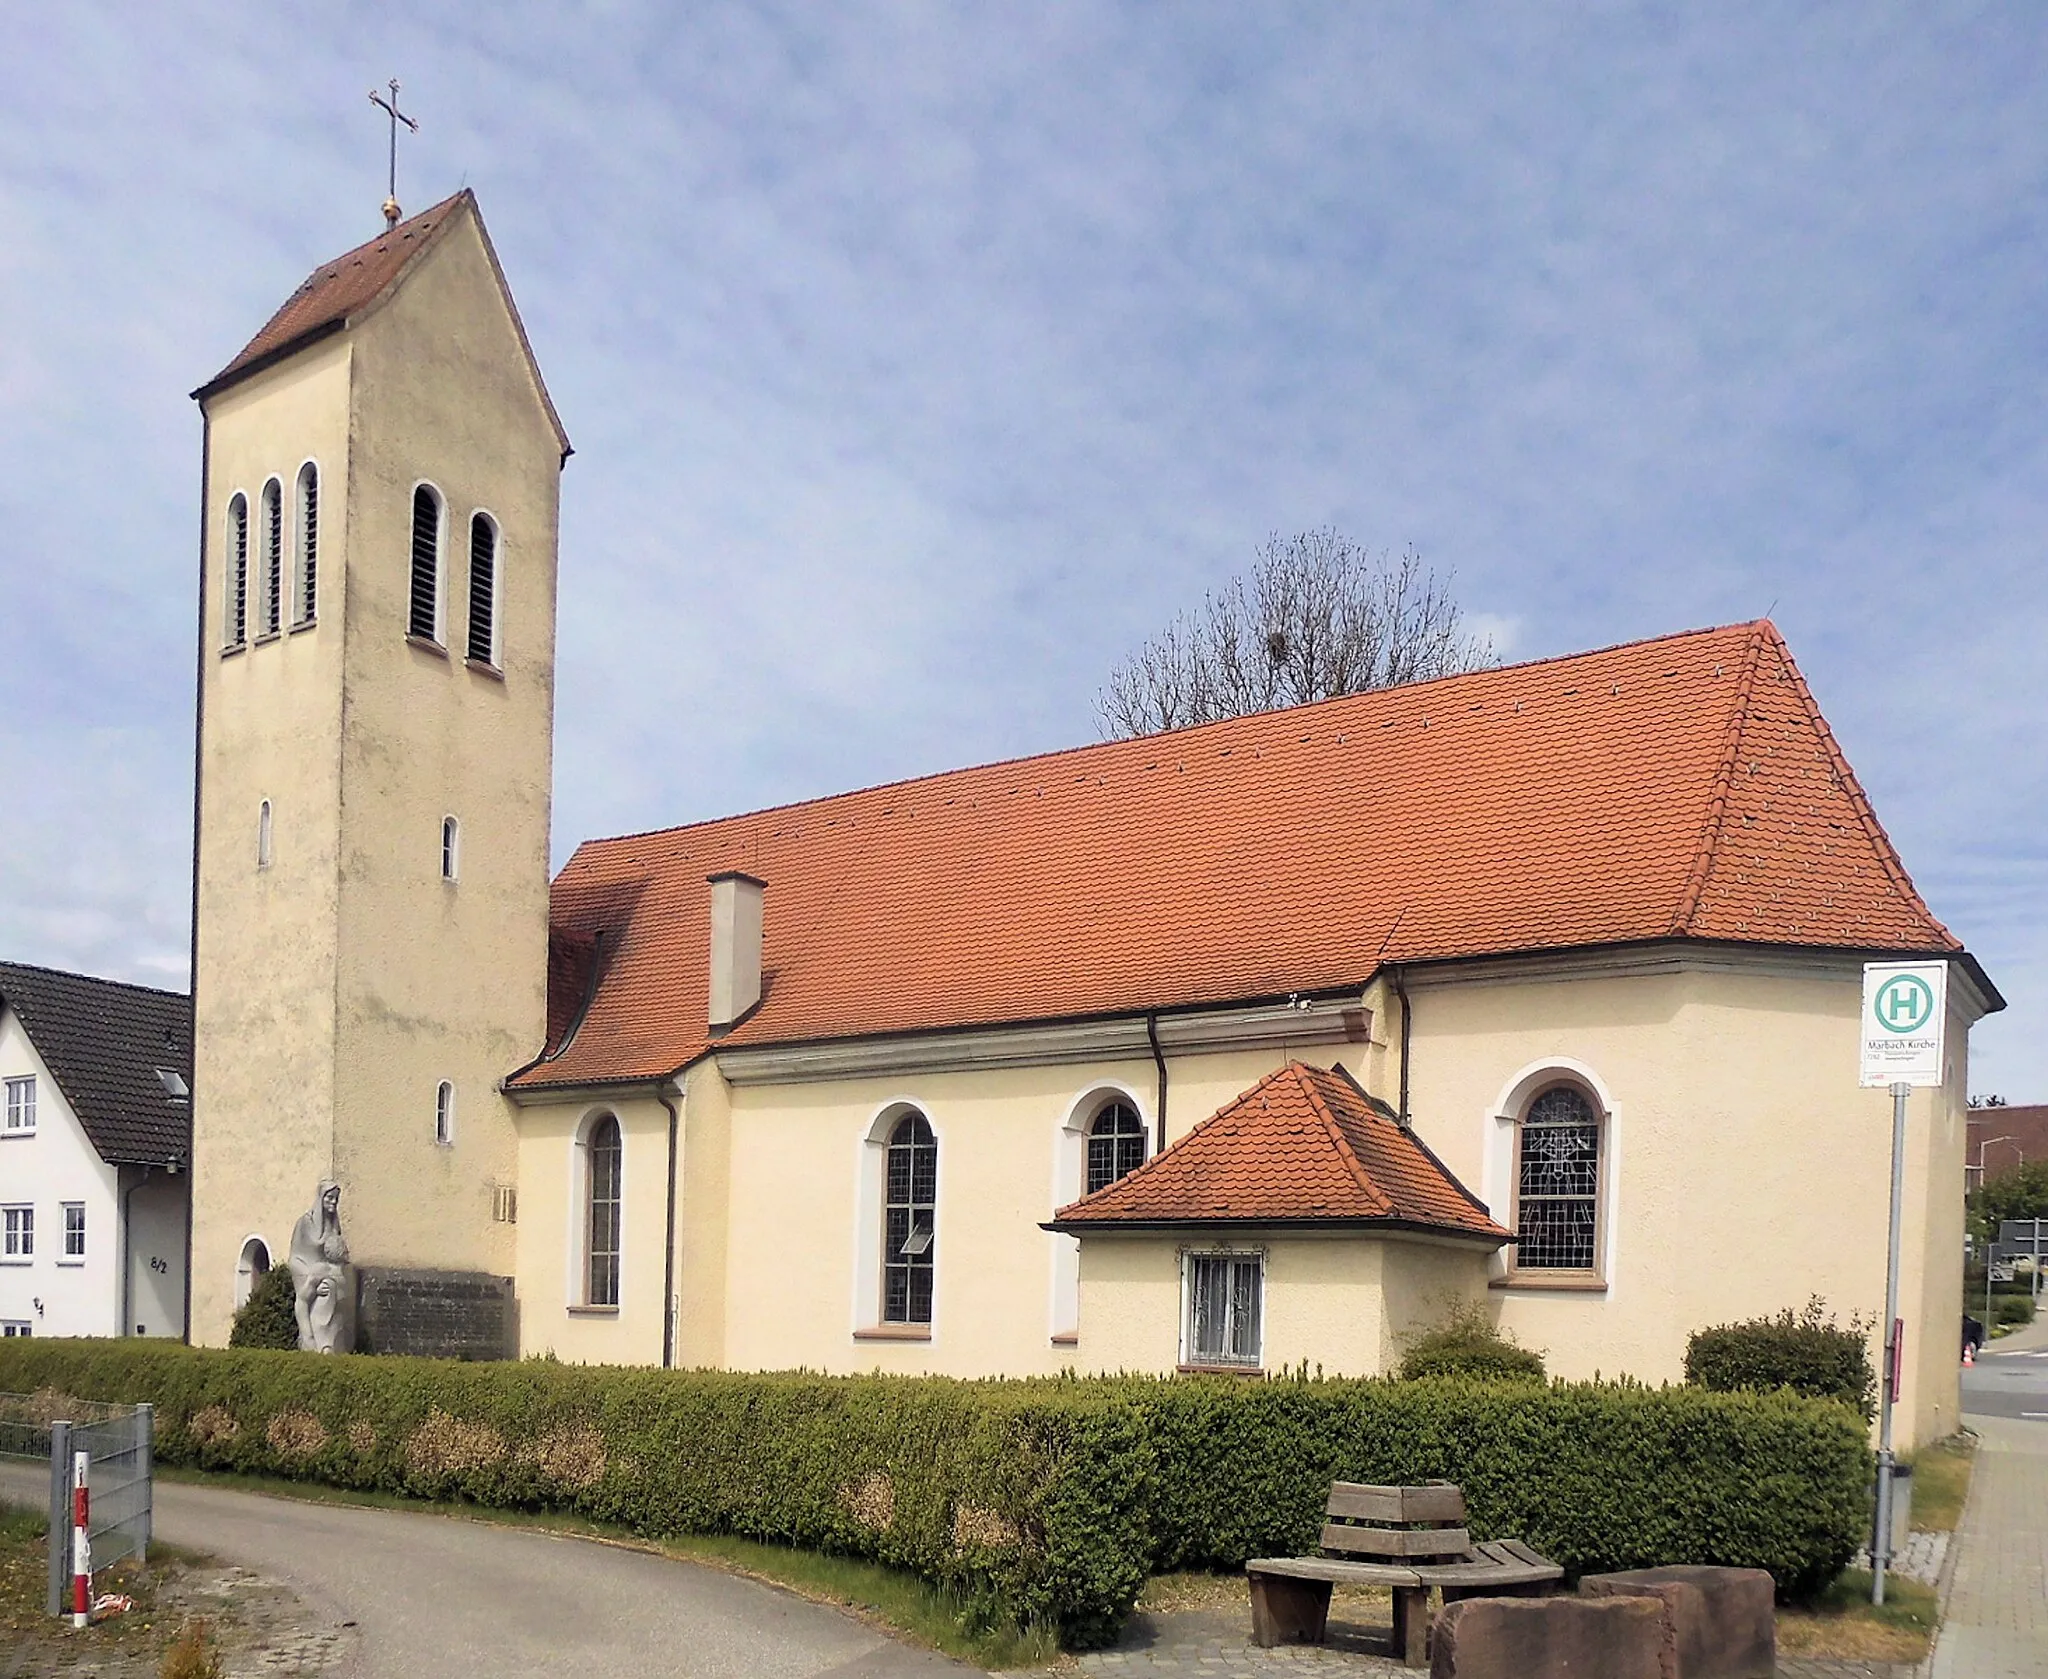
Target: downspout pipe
x=668, y=1251
x=1401, y=991
x=1159, y=1061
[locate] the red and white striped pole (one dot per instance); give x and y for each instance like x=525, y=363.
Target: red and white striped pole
x=81, y=1543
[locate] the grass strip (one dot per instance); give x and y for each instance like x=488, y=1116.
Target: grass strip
x=888, y=1597
x=1941, y=1482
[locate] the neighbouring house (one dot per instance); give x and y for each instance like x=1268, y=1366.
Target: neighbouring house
x=2001, y=1139
x=95, y=1149
x=1255, y=1044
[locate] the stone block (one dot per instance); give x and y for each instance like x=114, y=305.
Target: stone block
x=1550, y=1638
x=436, y=1314
x=1723, y=1621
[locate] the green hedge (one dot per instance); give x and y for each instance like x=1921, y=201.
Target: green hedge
x=1045, y=1501
x=1807, y=1352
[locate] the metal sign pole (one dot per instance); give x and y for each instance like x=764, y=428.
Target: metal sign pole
x=1881, y=1546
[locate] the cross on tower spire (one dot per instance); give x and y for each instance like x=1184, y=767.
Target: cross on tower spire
x=390, y=108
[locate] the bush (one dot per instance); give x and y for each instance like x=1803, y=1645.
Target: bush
x=1807, y=1352
x=1469, y=1345
x=1042, y=1502
x=269, y=1317
x=2015, y=1308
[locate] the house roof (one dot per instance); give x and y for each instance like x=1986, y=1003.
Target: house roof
x=338, y=293
x=104, y=1043
x=1685, y=787
x=2001, y=1139
x=1302, y=1146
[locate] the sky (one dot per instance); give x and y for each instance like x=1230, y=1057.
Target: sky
x=922, y=360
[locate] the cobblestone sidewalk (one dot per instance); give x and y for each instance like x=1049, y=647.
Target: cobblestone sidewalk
x=1996, y=1623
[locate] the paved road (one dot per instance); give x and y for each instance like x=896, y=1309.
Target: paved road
x=450, y=1599
x=2011, y=1377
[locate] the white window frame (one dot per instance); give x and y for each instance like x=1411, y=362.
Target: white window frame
x=1188, y=1257
x=234, y=586
x=20, y=1117
x=305, y=601
x=440, y=635
x=871, y=1180
x=10, y=1328
x=444, y=1114
x=272, y=588
x=1501, y=1174
x=495, y=659
x=580, y=1252
x=1069, y=1180
x=66, y=1255
x=18, y=1234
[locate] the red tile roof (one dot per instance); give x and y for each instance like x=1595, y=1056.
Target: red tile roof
x=344, y=287
x=1302, y=1145
x=1683, y=787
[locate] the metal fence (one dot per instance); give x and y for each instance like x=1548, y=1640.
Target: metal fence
x=119, y=1442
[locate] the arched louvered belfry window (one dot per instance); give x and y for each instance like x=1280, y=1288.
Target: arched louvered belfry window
x=306, y=532
x=909, y=1221
x=605, y=1180
x=483, y=589
x=424, y=619
x=272, y=591
x=1116, y=1145
x=236, y=602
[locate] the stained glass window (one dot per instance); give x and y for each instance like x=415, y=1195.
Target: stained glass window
x=1558, y=1183
x=909, y=1221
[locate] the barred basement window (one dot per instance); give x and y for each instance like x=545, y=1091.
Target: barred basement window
x=1557, y=1183
x=425, y=619
x=606, y=1160
x=308, y=528
x=237, y=599
x=1116, y=1145
x=909, y=1221
x=483, y=590
x=273, y=558
x=1224, y=1306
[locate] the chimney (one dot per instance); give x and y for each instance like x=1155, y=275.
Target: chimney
x=735, y=947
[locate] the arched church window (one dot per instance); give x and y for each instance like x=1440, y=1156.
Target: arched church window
x=263, y=835
x=451, y=847
x=605, y=1177
x=909, y=1221
x=425, y=615
x=1116, y=1145
x=306, y=527
x=237, y=601
x=444, y=1113
x=271, y=593
x=1557, y=1182
x=483, y=589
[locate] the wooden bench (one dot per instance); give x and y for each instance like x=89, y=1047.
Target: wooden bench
x=1415, y=1539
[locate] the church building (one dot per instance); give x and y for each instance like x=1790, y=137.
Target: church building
x=1266, y=1043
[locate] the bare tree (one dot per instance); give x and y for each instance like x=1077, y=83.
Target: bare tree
x=1315, y=616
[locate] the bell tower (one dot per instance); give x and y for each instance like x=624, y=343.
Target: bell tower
x=376, y=707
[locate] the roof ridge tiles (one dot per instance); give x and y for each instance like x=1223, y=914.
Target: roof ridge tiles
x=1320, y=1101
x=1716, y=815
x=92, y=979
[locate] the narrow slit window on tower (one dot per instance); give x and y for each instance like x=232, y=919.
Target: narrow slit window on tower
x=273, y=557
x=451, y=847
x=425, y=619
x=483, y=589
x=263, y=835
x=444, y=1114
x=308, y=527
x=237, y=602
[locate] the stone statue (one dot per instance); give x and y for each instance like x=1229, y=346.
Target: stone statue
x=323, y=1281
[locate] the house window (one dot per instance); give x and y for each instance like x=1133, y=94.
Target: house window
x=21, y=1103
x=483, y=590
x=425, y=617
x=237, y=603
x=444, y=1114
x=307, y=529
x=909, y=1221
x=1557, y=1183
x=17, y=1233
x=74, y=1229
x=10, y=1329
x=272, y=595
x=251, y=1268
x=605, y=1176
x=1116, y=1145
x=263, y=835
x=451, y=847
x=1224, y=1306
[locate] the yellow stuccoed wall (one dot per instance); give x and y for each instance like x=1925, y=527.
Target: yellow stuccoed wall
x=334, y=992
